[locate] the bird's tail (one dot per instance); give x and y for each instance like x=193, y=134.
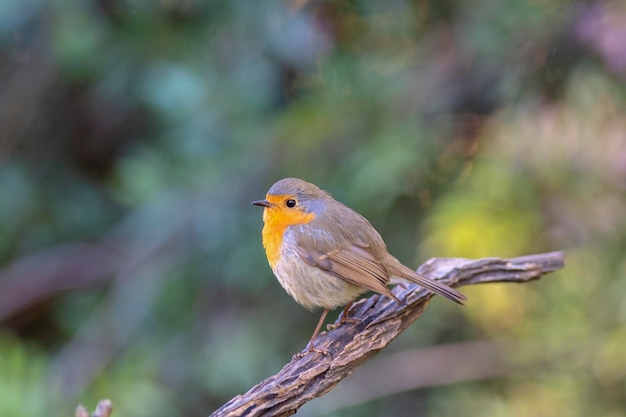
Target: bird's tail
x=432, y=285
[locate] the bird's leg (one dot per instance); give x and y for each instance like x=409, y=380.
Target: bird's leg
x=319, y=325
x=344, y=317
x=344, y=312
x=310, y=347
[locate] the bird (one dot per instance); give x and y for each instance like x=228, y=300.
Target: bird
x=324, y=254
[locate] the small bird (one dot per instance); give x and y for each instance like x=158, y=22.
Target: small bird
x=325, y=254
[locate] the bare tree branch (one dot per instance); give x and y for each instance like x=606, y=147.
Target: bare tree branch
x=103, y=409
x=374, y=323
x=413, y=369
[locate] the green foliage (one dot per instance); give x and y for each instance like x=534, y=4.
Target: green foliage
x=24, y=390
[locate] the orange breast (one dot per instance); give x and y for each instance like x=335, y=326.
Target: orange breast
x=277, y=219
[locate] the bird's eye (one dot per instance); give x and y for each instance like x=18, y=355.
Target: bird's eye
x=290, y=203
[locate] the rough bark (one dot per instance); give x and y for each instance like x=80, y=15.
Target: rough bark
x=373, y=323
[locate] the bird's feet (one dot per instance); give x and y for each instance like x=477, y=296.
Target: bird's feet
x=344, y=317
x=310, y=348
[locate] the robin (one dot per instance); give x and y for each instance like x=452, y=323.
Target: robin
x=325, y=254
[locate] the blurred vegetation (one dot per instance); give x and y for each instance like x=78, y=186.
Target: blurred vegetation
x=134, y=134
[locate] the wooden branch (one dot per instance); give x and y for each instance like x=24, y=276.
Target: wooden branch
x=373, y=323
x=103, y=409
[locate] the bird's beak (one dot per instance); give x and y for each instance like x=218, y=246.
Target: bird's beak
x=263, y=203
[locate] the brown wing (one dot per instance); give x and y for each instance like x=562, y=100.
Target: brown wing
x=354, y=264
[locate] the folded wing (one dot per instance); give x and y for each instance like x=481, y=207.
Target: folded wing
x=354, y=264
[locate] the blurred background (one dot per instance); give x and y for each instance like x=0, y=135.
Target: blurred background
x=134, y=134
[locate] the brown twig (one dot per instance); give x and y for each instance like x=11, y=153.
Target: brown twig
x=375, y=322
x=103, y=409
x=413, y=369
